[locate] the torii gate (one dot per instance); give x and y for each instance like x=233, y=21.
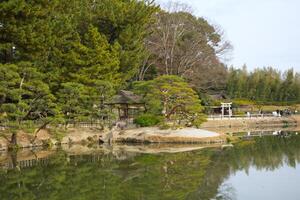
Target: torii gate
x=224, y=106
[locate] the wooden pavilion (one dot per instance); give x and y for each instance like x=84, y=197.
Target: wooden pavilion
x=127, y=105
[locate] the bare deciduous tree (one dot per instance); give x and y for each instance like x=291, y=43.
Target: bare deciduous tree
x=184, y=45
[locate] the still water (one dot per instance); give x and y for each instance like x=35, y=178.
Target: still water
x=259, y=168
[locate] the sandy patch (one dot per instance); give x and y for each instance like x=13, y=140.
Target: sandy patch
x=153, y=134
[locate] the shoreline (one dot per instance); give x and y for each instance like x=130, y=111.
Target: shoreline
x=265, y=122
x=291, y=123
x=211, y=132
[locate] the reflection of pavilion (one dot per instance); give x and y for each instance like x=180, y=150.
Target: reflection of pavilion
x=226, y=109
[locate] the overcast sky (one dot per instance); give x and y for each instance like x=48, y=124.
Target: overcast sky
x=263, y=32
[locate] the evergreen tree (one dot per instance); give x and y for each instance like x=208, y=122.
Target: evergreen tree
x=25, y=30
x=95, y=45
x=171, y=97
x=24, y=95
x=264, y=85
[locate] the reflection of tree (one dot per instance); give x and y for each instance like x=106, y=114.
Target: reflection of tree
x=268, y=153
x=14, y=159
x=108, y=178
x=189, y=175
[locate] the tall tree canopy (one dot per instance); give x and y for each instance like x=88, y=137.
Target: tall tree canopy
x=82, y=48
x=184, y=45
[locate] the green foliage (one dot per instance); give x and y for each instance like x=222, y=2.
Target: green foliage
x=146, y=120
x=126, y=22
x=264, y=86
x=24, y=94
x=93, y=61
x=26, y=30
x=198, y=120
x=164, y=126
x=242, y=102
x=73, y=101
x=61, y=60
x=171, y=97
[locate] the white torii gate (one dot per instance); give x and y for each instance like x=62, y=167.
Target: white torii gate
x=224, y=106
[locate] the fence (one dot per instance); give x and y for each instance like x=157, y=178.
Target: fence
x=25, y=163
x=233, y=117
x=70, y=124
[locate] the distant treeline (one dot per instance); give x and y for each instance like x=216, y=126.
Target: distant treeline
x=264, y=85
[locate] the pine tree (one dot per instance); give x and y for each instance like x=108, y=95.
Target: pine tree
x=171, y=97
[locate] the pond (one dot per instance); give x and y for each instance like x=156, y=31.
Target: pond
x=255, y=168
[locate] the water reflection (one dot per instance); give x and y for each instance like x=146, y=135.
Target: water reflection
x=263, y=133
x=129, y=172
x=279, y=184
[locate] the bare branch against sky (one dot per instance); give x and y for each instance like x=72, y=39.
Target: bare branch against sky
x=263, y=32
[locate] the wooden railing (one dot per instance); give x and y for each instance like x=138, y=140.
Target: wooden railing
x=252, y=116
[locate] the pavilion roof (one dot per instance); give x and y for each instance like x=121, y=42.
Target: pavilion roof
x=126, y=97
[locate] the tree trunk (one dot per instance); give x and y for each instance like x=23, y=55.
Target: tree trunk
x=13, y=140
x=38, y=130
x=168, y=115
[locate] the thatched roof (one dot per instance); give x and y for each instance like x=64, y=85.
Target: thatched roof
x=126, y=97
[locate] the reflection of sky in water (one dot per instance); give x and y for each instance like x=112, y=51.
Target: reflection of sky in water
x=280, y=184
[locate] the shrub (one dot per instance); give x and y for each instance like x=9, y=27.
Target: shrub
x=199, y=120
x=146, y=120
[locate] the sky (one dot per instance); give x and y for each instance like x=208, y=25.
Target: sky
x=263, y=32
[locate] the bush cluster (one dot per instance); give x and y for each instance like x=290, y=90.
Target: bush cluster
x=146, y=120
